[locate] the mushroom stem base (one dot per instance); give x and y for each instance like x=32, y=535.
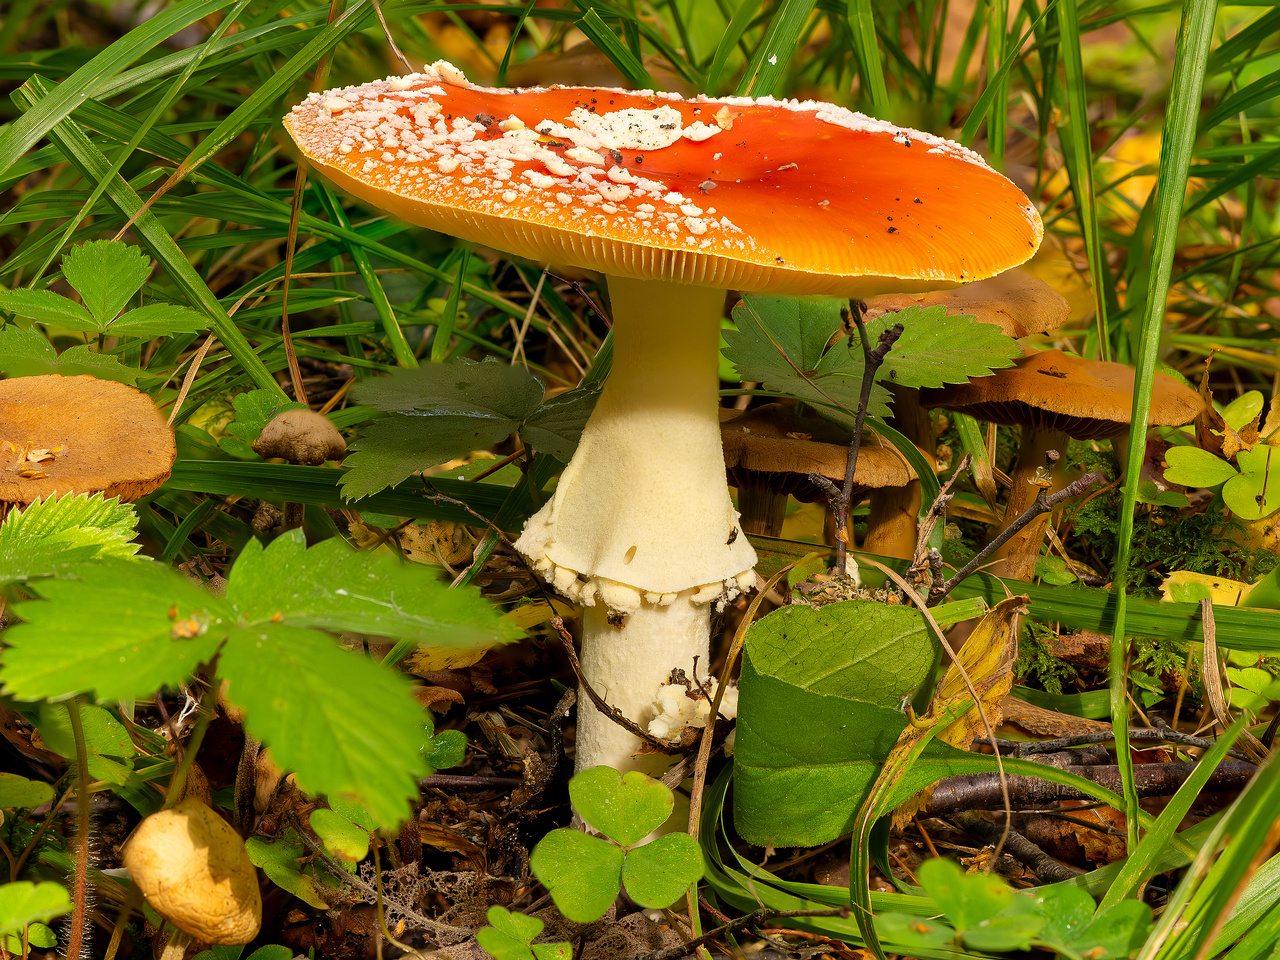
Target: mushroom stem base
x=626, y=665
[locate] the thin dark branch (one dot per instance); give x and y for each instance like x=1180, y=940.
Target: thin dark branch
x=1150, y=735
x=1044, y=502
x=1046, y=868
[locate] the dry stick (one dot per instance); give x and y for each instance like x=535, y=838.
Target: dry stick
x=1156, y=734
x=1044, y=502
x=872, y=358
x=1210, y=671
x=762, y=915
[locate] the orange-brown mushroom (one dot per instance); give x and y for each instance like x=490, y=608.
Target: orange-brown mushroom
x=1055, y=397
x=675, y=201
x=79, y=435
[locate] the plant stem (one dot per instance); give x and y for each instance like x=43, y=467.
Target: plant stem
x=80, y=890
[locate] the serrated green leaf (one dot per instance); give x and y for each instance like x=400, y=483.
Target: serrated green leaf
x=583, y=874
x=660, y=872
x=70, y=528
x=390, y=450
x=106, y=273
x=936, y=348
x=336, y=588
x=342, y=838
x=254, y=409
x=624, y=807
x=158, y=320
x=556, y=425
x=489, y=389
x=16, y=791
x=781, y=342
x=25, y=353
x=1193, y=467
x=122, y=630
x=23, y=902
x=308, y=700
x=45, y=306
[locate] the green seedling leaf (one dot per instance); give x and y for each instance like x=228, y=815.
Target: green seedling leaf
x=1193, y=467
x=904, y=930
x=1117, y=932
x=335, y=588
x=23, y=903
x=16, y=791
x=820, y=711
x=937, y=348
x=342, y=838
x=355, y=811
x=272, y=951
x=45, y=306
x=660, y=872
x=511, y=938
x=553, y=951
x=36, y=541
x=104, y=735
x=254, y=409
x=1255, y=493
x=1054, y=570
x=446, y=749
x=279, y=861
x=106, y=273
x=1012, y=929
x=1067, y=912
x=25, y=353
x=517, y=926
x=968, y=899
x=123, y=629
x=582, y=873
x=38, y=935
x=1243, y=410
x=624, y=807
x=224, y=952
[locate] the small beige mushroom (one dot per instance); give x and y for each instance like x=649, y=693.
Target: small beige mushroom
x=194, y=871
x=80, y=434
x=302, y=437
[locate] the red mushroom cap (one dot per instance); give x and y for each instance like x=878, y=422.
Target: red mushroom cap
x=789, y=196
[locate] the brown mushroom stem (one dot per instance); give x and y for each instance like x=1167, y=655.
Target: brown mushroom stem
x=763, y=509
x=1017, y=558
x=891, y=519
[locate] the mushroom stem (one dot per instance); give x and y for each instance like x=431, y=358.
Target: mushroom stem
x=891, y=521
x=641, y=529
x=1017, y=559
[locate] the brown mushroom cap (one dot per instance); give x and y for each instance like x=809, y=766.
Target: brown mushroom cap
x=1017, y=302
x=193, y=869
x=1048, y=389
x=732, y=193
x=771, y=445
x=301, y=436
x=79, y=435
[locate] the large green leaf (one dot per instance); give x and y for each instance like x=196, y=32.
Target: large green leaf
x=336, y=588
x=25, y=353
x=106, y=273
x=821, y=708
x=122, y=629
x=344, y=724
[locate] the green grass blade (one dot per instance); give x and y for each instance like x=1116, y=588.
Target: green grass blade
x=738, y=23
x=768, y=67
x=607, y=42
x=1073, y=135
x=1194, y=36
x=866, y=47
x=93, y=166
x=43, y=116
x=998, y=110
x=449, y=315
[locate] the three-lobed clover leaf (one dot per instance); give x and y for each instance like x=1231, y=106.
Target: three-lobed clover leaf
x=510, y=937
x=584, y=874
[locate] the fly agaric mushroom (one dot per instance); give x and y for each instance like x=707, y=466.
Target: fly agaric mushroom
x=194, y=871
x=769, y=452
x=675, y=201
x=79, y=435
x=1055, y=397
